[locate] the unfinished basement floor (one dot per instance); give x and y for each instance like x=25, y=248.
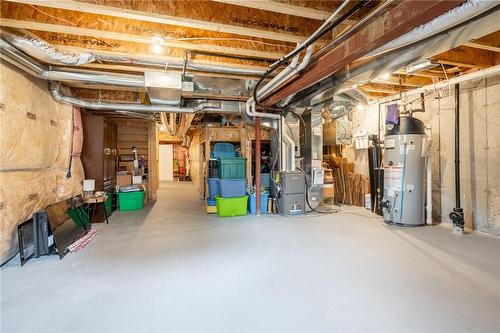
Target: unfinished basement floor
x=174, y=268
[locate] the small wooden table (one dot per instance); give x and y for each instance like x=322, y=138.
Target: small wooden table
x=95, y=201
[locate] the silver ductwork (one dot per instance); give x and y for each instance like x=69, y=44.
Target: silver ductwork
x=55, y=91
x=163, y=88
x=41, y=50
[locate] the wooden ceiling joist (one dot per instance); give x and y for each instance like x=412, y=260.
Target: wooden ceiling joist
x=162, y=19
x=408, y=81
x=382, y=88
x=281, y=8
x=466, y=57
x=425, y=74
x=459, y=64
x=62, y=29
x=482, y=46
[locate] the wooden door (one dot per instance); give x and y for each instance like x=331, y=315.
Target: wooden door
x=166, y=163
x=109, y=151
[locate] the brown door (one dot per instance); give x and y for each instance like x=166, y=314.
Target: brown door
x=110, y=154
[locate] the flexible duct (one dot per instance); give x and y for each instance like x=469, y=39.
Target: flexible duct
x=41, y=50
x=457, y=15
x=16, y=57
x=363, y=72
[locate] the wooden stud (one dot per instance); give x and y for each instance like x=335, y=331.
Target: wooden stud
x=153, y=168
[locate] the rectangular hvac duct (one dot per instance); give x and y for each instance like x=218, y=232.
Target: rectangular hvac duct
x=163, y=88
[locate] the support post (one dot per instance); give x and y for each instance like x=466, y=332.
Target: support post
x=257, y=165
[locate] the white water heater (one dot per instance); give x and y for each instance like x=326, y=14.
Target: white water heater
x=404, y=168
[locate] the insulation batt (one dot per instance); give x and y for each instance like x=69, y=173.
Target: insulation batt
x=77, y=133
x=22, y=193
x=36, y=144
x=72, y=186
x=65, y=136
x=28, y=123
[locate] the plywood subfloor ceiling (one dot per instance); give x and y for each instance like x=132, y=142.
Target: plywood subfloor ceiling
x=252, y=34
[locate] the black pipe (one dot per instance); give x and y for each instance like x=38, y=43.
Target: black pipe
x=457, y=146
x=379, y=189
x=457, y=215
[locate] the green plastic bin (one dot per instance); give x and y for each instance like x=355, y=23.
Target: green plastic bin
x=79, y=216
x=235, y=206
x=108, y=204
x=130, y=200
x=232, y=168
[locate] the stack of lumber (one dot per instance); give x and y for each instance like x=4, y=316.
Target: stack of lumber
x=350, y=187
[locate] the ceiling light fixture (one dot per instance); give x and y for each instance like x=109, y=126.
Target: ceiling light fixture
x=157, y=42
x=157, y=39
x=420, y=66
x=385, y=76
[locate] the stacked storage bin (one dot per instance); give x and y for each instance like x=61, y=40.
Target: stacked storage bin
x=212, y=183
x=230, y=194
x=265, y=183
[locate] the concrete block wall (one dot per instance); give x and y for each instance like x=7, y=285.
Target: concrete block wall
x=480, y=150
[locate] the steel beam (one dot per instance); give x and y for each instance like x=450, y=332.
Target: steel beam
x=396, y=21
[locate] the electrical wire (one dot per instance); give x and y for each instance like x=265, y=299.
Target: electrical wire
x=54, y=17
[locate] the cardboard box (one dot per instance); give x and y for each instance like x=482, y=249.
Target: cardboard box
x=328, y=191
x=136, y=180
x=123, y=180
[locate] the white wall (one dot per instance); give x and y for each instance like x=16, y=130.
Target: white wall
x=166, y=163
x=480, y=151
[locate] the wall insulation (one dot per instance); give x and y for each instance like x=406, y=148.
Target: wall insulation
x=480, y=150
x=36, y=144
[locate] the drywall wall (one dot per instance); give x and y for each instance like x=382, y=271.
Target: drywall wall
x=35, y=152
x=480, y=150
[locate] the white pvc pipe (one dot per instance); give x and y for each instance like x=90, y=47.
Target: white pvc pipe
x=292, y=151
x=429, y=189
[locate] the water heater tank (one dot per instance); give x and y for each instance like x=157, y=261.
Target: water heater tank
x=404, y=165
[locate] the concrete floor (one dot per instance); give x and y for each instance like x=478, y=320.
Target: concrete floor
x=173, y=268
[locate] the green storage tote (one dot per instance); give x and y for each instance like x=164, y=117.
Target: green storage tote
x=232, y=168
x=108, y=204
x=130, y=200
x=235, y=206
